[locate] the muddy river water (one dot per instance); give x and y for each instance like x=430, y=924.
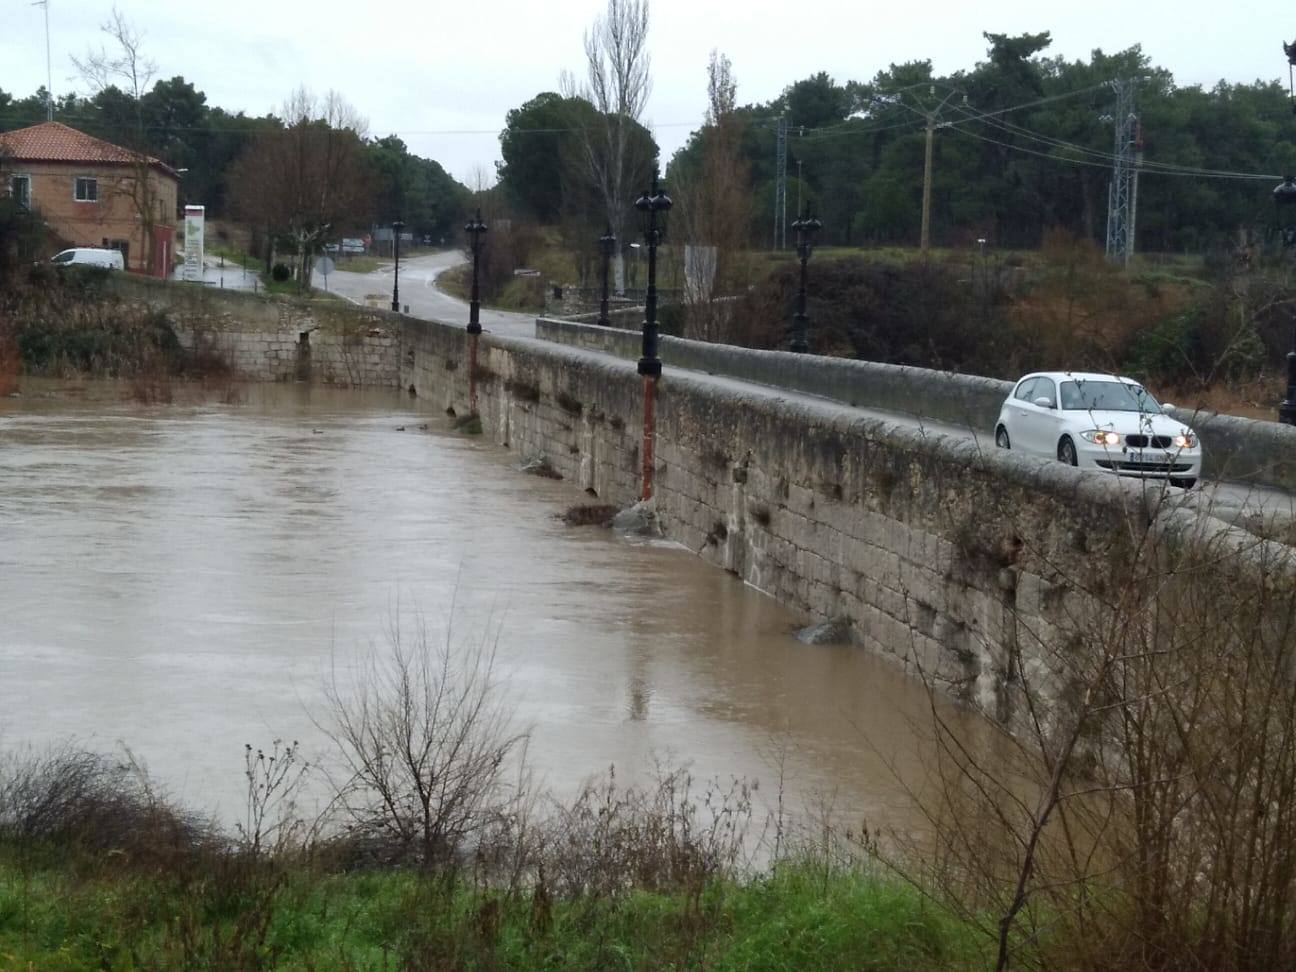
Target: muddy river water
x=180, y=578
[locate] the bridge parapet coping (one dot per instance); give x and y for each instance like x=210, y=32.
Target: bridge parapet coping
x=1237, y=449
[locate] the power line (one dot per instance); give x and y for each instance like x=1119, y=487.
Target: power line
x=1148, y=169
x=1040, y=101
x=1107, y=158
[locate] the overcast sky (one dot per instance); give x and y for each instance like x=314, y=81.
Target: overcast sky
x=442, y=75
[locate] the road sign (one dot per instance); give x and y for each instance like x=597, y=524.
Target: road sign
x=324, y=266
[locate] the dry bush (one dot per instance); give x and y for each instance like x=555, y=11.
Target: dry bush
x=613, y=839
x=72, y=797
x=9, y=358
x=271, y=825
x=1141, y=816
x=425, y=737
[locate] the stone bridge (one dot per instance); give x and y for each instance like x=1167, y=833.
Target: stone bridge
x=945, y=556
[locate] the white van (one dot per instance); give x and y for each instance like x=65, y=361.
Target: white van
x=90, y=256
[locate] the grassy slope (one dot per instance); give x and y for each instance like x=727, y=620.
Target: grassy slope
x=62, y=913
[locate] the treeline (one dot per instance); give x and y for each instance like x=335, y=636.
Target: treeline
x=1023, y=144
x=173, y=122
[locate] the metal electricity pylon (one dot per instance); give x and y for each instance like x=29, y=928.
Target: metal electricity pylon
x=1122, y=192
x=780, y=185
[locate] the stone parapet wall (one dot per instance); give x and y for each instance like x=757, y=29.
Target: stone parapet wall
x=261, y=337
x=1236, y=449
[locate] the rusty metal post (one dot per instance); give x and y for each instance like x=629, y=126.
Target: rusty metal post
x=649, y=434
x=472, y=373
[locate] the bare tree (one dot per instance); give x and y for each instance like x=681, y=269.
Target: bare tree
x=1136, y=810
x=617, y=84
x=715, y=208
x=126, y=69
x=309, y=179
x=425, y=737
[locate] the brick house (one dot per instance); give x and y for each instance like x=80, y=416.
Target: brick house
x=93, y=193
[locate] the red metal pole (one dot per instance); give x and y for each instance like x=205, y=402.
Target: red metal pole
x=472, y=373
x=649, y=433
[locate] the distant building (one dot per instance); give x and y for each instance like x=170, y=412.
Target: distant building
x=93, y=193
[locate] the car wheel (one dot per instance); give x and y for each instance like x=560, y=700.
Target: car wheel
x=1183, y=482
x=1001, y=438
x=1067, y=452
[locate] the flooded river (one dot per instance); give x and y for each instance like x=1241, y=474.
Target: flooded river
x=179, y=579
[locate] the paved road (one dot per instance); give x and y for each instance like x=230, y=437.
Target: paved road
x=1235, y=502
x=418, y=292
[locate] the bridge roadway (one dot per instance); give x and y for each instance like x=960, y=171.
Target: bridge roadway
x=1241, y=503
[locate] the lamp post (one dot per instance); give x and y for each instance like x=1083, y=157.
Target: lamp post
x=650, y=204
x=1284, y=197
x=805, y=228
x=396, y=235
x=607, y=246
x=475, y=229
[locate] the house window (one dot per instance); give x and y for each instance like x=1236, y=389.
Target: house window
x=20, y=190
x=87, y=189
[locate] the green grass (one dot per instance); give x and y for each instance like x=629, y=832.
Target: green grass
x=238, y=258
x=358, y=264
x=288, y=288
x=70, y=912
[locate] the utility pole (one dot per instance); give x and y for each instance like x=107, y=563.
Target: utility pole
x=927, y=184
x=1123, y=189
x=931, y=116
x=798, y=205
x=780, y=185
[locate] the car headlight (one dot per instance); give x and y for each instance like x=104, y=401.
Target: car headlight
x=1185, y=440
x=1099, y=437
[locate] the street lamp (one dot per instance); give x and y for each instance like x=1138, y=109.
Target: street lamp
x=805, y=228
x=1284, y=197
x=396, y=235
x=607, y=246
x=649, y=205
x=475, y=228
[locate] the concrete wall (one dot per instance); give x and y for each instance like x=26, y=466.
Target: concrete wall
x=1237, y=449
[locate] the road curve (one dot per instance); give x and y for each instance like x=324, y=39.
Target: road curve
x=419, y=293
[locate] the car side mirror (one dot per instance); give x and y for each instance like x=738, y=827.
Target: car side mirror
x=1044, y=401
x=1167, y=408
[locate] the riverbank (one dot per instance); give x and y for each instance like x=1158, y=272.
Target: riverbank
x=93, y=911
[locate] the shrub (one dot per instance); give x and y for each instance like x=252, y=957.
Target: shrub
x=280, y=272
x=425, y=737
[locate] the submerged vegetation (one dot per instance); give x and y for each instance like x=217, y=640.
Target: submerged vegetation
x=64, y=323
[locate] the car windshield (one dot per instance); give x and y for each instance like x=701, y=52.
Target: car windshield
x=1106, y=396
x=64, y=257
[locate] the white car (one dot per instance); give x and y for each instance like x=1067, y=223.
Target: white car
x=1098, y=422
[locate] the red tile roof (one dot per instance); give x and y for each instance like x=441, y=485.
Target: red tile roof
x=56, y=142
